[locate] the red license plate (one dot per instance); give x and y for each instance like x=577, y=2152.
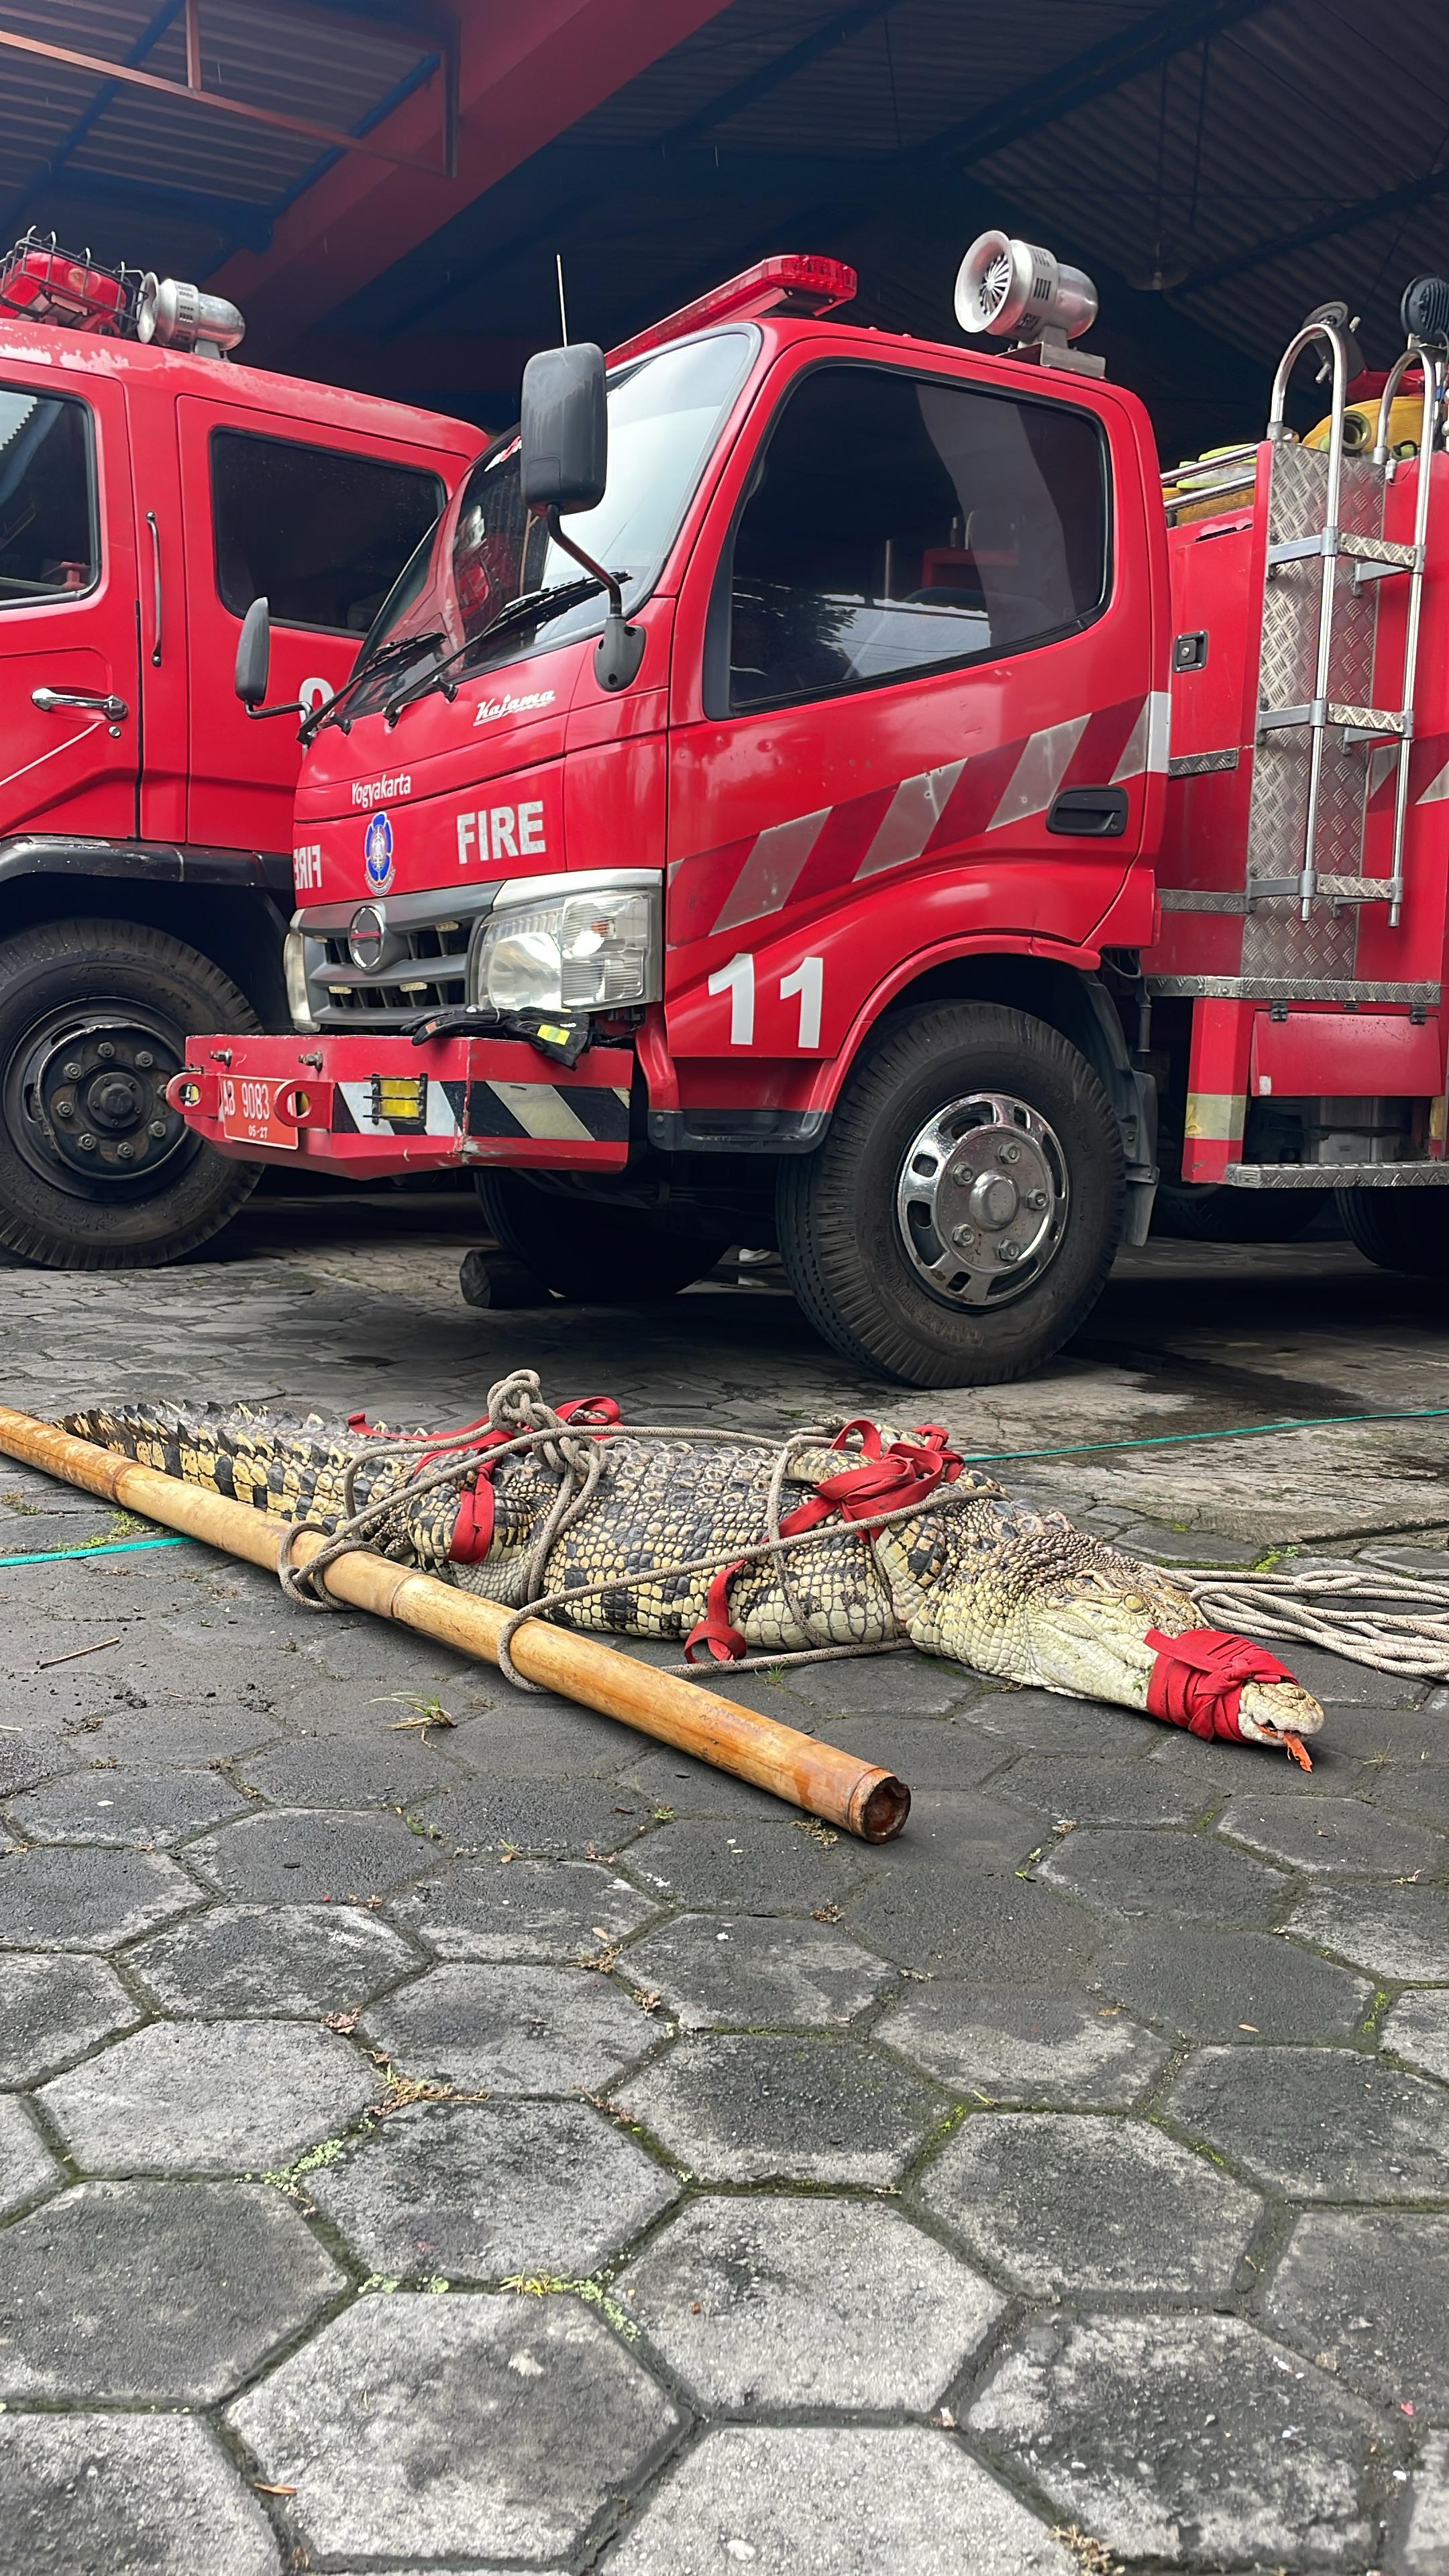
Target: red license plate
x=248, y=1106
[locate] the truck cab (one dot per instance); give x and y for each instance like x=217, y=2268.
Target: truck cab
x=803, y=799
x=148, y=493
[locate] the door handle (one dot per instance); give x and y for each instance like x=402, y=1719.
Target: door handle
x=1092, y=813
x=112, y=708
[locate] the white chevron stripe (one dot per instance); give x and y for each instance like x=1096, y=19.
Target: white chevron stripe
x=542, y=1111
x=1039, y=772
x=767, y=879
x=1437, y=791
x=910, y=818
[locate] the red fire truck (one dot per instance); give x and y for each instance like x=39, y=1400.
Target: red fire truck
x=147, y=495
x=811, y=794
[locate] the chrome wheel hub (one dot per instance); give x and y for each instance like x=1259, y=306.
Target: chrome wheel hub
x=982, y=1199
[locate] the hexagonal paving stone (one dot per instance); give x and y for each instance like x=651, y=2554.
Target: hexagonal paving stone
x=848, y=2502
x=523, y=1909
x=125, y=1805
x=26, y=2164
x=548, y=1819
x=1073, y=1788
x=750, y=1868
x=1164, y=1873
x=53, y=2009
x=154, y=2290
x=1210, y=1984
x=210, y=2097
x=1067, y=2204
x=744, y=2109
x=1187, y=2439
x=1005, y=2046
x=1340, y=1834
x=514, y=2030
x=248, y=1959
x=88, y=1900
x=1426, y=2542
x=301, y=1855
x=947, y=1921
x=1392, y=1931
x=481, y=2191
x=968, y=1829
x=1374, y=2289
x=1041, y=1721
x=388, y=1770
x=759, y=2303
x=746, y=1971
x=535, y=2416
x=1418, y=2028
x=118, y=2494
x=1319, y=2124
x=1417, y=1789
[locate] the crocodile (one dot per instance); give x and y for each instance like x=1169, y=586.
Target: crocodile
x=976, y=1575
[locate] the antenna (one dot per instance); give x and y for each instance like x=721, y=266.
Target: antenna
x=563, y=318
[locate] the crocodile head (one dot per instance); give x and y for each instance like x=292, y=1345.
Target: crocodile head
x=1020, y=1593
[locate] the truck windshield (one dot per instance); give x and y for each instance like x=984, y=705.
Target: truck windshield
x=664, y=417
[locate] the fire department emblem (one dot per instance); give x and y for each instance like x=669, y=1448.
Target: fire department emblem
x=377, y=853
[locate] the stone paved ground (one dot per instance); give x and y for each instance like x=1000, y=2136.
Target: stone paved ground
x=508, y=2144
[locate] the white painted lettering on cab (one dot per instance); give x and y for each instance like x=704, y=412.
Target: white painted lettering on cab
x=307, y=867
x=490, y=709
x=502, y=832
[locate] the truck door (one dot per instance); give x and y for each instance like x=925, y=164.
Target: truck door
x=69, y=659
x=319, y=525
x=911, y=701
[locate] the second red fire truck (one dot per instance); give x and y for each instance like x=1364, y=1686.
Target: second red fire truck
x=810, y=790
x=148, y=493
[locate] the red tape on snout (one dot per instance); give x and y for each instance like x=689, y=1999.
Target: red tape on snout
x=1197, y=1680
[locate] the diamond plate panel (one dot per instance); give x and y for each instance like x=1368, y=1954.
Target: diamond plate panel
x=1275, y=941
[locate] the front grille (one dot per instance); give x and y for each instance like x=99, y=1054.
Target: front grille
x=428, y=971
x=432, y=976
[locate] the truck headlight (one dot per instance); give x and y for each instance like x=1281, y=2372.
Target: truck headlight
x=571, y=944
x=294, y=968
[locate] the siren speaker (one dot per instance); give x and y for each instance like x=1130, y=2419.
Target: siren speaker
x=1015, y=289
x=178, y=316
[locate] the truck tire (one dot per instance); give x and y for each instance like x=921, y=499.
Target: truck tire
x=989, y=1124
x=1399, y=1229
x=93, y=1022
x=591, y=1253
x=1209, y=1212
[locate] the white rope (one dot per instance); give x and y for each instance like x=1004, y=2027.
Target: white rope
x=1340, y=1608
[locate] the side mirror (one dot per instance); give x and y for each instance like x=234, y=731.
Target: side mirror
x=254, y=654
x=564, y=429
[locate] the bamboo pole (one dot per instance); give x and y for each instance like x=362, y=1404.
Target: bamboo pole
x=818, y=1777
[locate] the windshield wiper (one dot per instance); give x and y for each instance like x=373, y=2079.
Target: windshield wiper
x=533, y=603
x=381, y=660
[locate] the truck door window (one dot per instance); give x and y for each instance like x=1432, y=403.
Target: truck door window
x=899, y=525
x=48, y=543
x=319, y=533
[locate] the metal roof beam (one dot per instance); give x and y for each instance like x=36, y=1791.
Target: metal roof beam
x=525, y=75
x=232, y=218
x=1351, y=218
x=605, y=168
x=1153, y=40
x=51, y=168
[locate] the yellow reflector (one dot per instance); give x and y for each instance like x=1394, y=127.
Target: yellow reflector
x=400, y=1097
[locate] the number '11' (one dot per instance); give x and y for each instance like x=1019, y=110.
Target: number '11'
x=738, y=980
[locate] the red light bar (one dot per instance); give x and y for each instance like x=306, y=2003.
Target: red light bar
x=796, y=282
x=40, y=283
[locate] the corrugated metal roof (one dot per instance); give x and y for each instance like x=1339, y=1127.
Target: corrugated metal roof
x=112, y=165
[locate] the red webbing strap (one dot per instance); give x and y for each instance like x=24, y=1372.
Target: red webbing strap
x=473, y=1529
x=1197, y=1680
x=883, y=1480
